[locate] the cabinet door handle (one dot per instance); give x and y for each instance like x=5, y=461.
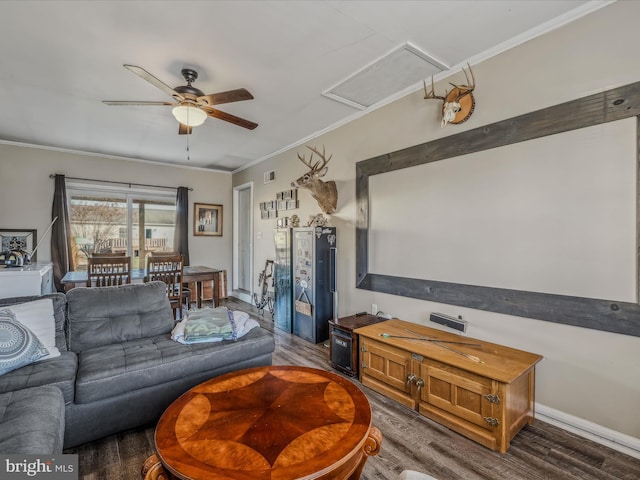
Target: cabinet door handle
x=411, y=378
x=494, y=422
x=492, y=398
x=420, y=384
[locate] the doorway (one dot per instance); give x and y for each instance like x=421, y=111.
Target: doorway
x=243, y=242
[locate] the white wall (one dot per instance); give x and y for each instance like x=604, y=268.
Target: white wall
x=26, y=193
x=589, y=374
x=552, y=215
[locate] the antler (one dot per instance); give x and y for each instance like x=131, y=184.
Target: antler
x=431, y=94
x=320, y=164
x=464, y=89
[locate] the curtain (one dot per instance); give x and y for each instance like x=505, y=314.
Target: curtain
x=181, y=234
x=61, y=253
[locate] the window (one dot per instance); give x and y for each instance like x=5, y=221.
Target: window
x=115, y=220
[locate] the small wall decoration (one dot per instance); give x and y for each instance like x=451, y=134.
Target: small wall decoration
x=287, y=200
x=318, y=220
x=207, y=220
x=283, y=222
x=268, y=210
x=18, y=239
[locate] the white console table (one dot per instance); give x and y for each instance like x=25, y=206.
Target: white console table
x=35, y=279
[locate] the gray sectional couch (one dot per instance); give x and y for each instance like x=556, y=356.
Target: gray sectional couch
x=118, y=367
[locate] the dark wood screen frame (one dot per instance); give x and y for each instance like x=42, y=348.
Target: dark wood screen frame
x=606, y=315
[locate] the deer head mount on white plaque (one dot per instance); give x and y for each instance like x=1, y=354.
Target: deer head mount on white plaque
x=325, y=193
x=458, y=104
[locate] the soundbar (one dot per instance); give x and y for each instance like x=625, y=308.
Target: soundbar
x=449, y=321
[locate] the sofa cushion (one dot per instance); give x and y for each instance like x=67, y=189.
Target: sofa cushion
x=118, y=368
x=59, y=313
x=32, y=421
x=59, y=372
x=110, y=315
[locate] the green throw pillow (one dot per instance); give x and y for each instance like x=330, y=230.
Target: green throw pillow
x=18, y=345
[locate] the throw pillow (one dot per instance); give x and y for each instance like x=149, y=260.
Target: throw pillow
x=38, y=317
x=18, y=345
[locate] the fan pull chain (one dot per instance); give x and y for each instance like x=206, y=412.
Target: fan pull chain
x=188, y=135
x=188, y=151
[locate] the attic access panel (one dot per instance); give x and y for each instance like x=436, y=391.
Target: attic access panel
x=400, y=69
x=600, y=314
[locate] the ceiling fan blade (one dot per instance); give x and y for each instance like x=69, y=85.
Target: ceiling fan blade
x=184, y=129
x=127, y=102
x=227, y=117
x=225, y=97
x=142, y=73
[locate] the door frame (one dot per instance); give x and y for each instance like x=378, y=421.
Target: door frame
x=236, y=252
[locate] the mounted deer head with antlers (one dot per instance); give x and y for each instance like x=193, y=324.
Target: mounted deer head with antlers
x=325, y=193
x=458, y=104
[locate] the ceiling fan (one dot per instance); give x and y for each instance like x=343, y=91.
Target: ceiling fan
x=191, y=106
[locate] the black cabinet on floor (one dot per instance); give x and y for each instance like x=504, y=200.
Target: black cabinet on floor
x=343, y=346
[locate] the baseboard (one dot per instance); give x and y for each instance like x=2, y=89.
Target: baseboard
x=244, y=296
x=605, y=436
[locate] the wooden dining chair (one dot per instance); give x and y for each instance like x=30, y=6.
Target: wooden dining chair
x=186, y=291
x=109, y=254
x=108, y=271
x=168, y=269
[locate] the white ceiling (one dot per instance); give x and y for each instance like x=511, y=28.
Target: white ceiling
x=60, y=59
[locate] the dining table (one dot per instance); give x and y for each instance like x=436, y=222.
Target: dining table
x=196, y=274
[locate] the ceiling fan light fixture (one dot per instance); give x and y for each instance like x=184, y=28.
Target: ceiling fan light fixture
x=189, y=115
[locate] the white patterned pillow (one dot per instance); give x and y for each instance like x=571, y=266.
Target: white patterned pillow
x=38, y=317
x=18, y=345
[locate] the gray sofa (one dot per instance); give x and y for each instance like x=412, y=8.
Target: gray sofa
x=118, y=367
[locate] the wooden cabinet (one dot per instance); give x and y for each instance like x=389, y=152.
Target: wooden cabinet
x=483, y=391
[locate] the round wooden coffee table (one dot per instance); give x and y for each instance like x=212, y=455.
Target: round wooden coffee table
x=276, y=423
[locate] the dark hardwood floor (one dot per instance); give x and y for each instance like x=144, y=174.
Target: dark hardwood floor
x=410, y=441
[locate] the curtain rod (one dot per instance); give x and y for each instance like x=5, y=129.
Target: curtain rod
x=120, y=183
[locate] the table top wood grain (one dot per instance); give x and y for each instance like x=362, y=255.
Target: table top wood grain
x=277, y=422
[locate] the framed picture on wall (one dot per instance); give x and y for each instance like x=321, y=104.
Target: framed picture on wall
x=207, y=220
x=18, y=239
